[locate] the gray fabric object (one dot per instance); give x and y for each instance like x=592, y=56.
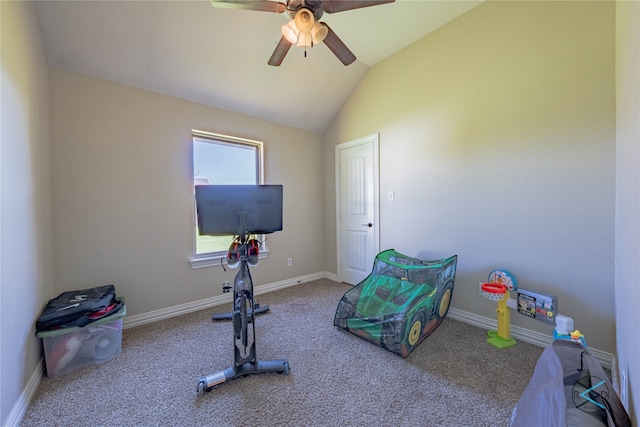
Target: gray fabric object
x=558, y=396
x=543, y=402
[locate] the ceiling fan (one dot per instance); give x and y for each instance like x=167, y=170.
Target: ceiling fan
x=304, y=28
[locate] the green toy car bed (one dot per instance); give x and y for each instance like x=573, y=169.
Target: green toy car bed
x=400, y=303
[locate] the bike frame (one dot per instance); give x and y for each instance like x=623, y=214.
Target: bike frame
x=244, y=342
x=243, y=314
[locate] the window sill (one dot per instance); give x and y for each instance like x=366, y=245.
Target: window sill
x=216, y=260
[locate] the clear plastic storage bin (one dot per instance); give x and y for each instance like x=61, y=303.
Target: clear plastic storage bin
x=68, y=349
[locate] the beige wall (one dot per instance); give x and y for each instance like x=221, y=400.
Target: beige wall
x=627, y=295
x=497, y=134
x=122, y=183
x=26, y=260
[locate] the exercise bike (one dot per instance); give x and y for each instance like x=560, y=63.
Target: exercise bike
x=245, y=251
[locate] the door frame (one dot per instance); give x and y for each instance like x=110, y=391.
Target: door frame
x=374, y=140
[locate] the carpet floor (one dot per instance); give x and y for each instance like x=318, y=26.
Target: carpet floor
x=453, y=378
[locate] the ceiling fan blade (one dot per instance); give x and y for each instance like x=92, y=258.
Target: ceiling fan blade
x=337, y=46
x=259, y=5
x=280, y=52
x=333, y=6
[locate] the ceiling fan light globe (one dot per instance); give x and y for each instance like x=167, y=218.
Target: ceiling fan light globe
x=290, y=32
x=318, y=32
x=304, y=40
x=304, y=20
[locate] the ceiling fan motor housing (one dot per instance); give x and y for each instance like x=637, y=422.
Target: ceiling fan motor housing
x=313, y=6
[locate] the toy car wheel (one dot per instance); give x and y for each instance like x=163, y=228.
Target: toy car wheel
x=345, y=311
x=415, y=329
x=390, y=336
x=445, y=300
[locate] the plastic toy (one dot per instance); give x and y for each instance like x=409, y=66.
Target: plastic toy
x=400, y=303
x=564, y=331
x=535, y=305
x=500, y=283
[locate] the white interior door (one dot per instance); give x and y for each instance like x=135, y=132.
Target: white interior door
x=357, y=204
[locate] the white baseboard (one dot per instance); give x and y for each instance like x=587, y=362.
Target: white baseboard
x=517, y=332
x=20, y=407
x=177, y=310
x=522, y=334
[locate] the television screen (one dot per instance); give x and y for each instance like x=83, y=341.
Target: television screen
x=238, y=209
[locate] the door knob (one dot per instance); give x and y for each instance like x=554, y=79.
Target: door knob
x=368, y=225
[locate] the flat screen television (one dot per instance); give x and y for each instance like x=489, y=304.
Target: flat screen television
x=238, y=209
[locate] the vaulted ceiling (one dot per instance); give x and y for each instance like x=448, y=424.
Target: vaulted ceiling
x=218, y=57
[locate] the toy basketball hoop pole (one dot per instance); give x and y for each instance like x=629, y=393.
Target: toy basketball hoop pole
x=502, y=337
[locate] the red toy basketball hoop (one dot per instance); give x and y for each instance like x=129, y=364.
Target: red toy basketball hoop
x=493, y=291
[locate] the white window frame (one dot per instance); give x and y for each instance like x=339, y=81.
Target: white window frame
x=213, y=259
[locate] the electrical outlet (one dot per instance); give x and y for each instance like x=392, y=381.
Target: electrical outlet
x=623, y=389
x=289, y=262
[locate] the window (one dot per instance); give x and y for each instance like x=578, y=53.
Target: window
x=222, y=159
